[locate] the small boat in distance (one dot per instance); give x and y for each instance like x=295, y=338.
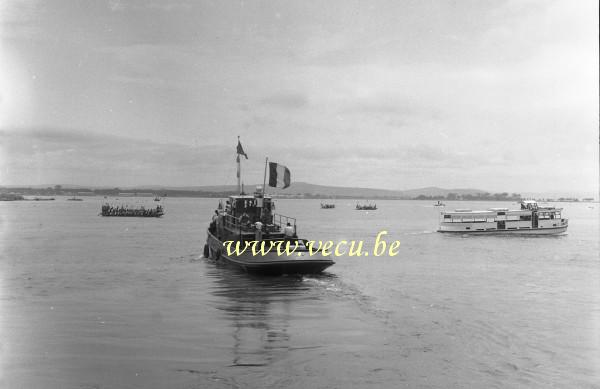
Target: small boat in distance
x=11, y=197
x=439, y=204
x=74, y=198
x=327, y=206
x=157, y=198
x=530, y=220
x=366, y=207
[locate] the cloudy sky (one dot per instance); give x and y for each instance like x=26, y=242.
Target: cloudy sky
x=497, y=95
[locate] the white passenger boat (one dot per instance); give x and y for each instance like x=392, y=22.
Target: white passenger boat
x=531, y=219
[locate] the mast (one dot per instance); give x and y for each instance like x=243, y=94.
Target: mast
x=239, y=171
x=265, y=176
x=263, y=188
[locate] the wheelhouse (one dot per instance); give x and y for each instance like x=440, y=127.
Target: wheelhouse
x=238, y=217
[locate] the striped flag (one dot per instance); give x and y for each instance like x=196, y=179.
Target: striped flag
x=279, y=175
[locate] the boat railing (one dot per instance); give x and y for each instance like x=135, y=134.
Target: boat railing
x=282, y=221
x=232, y=222
x=239, y=224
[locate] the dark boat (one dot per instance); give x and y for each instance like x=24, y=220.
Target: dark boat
x=125, y=211
x=11, y=197
x=240, y=221
x=327, y=206
x=249, y=219
x=366, y=207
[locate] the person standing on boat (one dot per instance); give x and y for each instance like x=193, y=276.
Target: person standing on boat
x=288, y=231
x=219, y=224
x=213, y=224
x=258, y=225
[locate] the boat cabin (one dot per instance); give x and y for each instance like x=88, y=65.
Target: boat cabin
x=243, y=215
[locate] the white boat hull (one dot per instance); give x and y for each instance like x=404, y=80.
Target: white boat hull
x=521, y=231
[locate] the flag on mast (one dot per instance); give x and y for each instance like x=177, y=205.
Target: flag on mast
x=238, y=166
x=279, y=175
x=240, y=150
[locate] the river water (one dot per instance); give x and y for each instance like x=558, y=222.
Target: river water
x=93, y=302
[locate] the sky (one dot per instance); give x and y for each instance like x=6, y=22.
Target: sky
x=495, y=95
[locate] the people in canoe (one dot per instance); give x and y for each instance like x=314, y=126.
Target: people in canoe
x=124, y=210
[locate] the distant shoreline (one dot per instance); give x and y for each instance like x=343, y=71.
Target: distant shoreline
x=17, y=194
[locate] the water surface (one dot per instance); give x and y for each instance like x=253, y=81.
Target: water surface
x=93, y=302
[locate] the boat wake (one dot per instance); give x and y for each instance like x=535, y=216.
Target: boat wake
x=426, y=232
x=334, y=287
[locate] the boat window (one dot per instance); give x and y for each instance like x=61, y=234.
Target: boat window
x=525, y=217
x=501, y=213
x=479, y=219
x=447, y=216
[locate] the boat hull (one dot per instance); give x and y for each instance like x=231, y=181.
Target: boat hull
x=269, y=264
x=522, y=231
x=157, y=215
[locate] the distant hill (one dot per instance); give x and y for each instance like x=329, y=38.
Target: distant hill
x=435, y=191
x=312, y=190
x=303, y=188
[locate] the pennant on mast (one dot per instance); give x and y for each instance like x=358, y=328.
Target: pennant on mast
x=240, y=150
